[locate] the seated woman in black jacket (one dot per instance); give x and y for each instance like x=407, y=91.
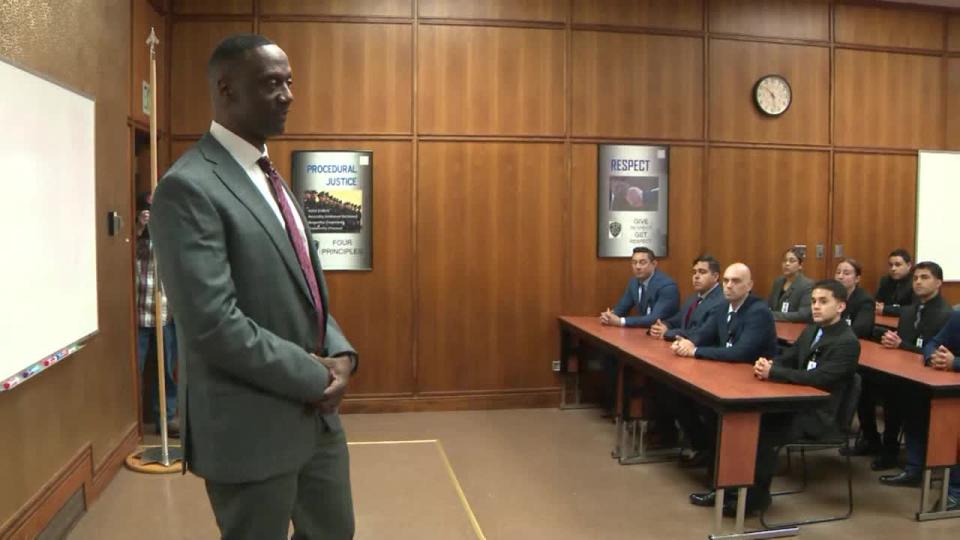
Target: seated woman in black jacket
x=859, y=313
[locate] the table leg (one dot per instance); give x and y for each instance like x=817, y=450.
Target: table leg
x=943, y=445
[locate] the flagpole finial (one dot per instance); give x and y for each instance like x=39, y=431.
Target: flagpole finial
x=153, y=40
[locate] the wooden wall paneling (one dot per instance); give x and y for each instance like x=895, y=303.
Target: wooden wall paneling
x=630, y=85
x=86, y=400
x=951, y=291
x=599, y=282
x=888, y=100
x=375, y=308
x=953, y=33
x=354, y=8
x=192, y=44
x=884, y=27
x=772, y=18
x=668, y=14
x=217, y=7
x=953, y=104
x=516, y=10
x=489, y=264
x=348, y=78
x=490, y=81
x=144, y=17
x=874, y=209
x=736, y=66
x=760, y=202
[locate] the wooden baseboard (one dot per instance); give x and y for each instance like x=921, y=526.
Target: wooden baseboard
x=108, y=468
x=79, y=472
x=532, y=398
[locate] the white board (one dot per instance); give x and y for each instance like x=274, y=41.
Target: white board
x=938, y=204
x=48, y=266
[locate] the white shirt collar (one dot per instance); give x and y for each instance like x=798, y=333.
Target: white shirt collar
x=245, y=153
x=706, y=294
x=731, y=310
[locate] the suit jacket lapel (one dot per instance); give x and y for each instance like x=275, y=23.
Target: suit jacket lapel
x=236, y=180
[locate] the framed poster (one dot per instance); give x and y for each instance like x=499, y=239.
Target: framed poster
x=335, y=189
x=632, y=197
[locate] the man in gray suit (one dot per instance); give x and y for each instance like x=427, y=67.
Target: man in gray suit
x=263, y=365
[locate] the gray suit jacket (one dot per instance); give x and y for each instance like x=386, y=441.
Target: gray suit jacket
x=798, y=295
x=246, y=324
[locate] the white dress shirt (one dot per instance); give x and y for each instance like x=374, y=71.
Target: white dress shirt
x=246, y=155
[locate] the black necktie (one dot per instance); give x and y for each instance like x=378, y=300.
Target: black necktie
x=643, y=299
x=731, y=320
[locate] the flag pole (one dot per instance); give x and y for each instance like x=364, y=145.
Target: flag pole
x=160, y=459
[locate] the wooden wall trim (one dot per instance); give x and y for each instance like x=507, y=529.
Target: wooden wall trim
x=222, y=17
x=357, y=19
x=111, y=464
x=502, y=23
x=886, y=49
x=30, y=520
x=78, y=472
x=624, y=29
x=438, y=401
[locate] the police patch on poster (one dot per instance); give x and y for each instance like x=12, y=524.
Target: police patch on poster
x=632, y=183
x=335, y=189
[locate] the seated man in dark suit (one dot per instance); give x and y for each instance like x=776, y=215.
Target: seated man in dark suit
x=919, y=322
x=895, y=291
x=653, y=294
x=741, y=329
x=942, y=352
x=693, y=313
x=824, y=356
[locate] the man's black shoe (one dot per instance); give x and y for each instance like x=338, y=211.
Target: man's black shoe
x=953, y=503
x=904, y=479
x=708, y=498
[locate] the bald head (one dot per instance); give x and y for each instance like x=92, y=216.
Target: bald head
x=737, y=283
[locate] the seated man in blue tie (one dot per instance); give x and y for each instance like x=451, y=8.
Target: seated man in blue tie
x=653, y=294
x=693, y=313
x=825, y=356
x=941, y=353
x=741, y=329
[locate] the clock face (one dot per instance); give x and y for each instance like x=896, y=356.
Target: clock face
x=772, y=95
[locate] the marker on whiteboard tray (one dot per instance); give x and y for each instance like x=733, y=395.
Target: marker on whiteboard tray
x=32, y=370
x=11, y=382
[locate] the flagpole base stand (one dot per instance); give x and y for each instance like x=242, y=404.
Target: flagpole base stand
x=150, y=460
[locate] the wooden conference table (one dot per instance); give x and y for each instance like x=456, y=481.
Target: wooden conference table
x=728, y=388
x=943, y=389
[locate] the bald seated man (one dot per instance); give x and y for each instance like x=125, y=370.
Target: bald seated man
x=741, y=329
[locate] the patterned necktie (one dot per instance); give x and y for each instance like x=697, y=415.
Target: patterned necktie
x=299, y=246
x=916, y=321
x=816, y=338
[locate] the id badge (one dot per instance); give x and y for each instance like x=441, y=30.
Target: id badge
x=649, y=309
x=729, y=344
x=919, y=342
x=812, y=365
x=785, y=307
x=849, y=322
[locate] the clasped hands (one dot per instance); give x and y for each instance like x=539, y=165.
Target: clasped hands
x=761, y=368
x=340, y=368
x=942, y=359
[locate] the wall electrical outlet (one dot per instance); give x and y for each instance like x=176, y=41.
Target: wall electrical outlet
x=556, y=365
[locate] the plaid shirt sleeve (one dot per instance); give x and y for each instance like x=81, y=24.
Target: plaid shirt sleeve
x=146, y=269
